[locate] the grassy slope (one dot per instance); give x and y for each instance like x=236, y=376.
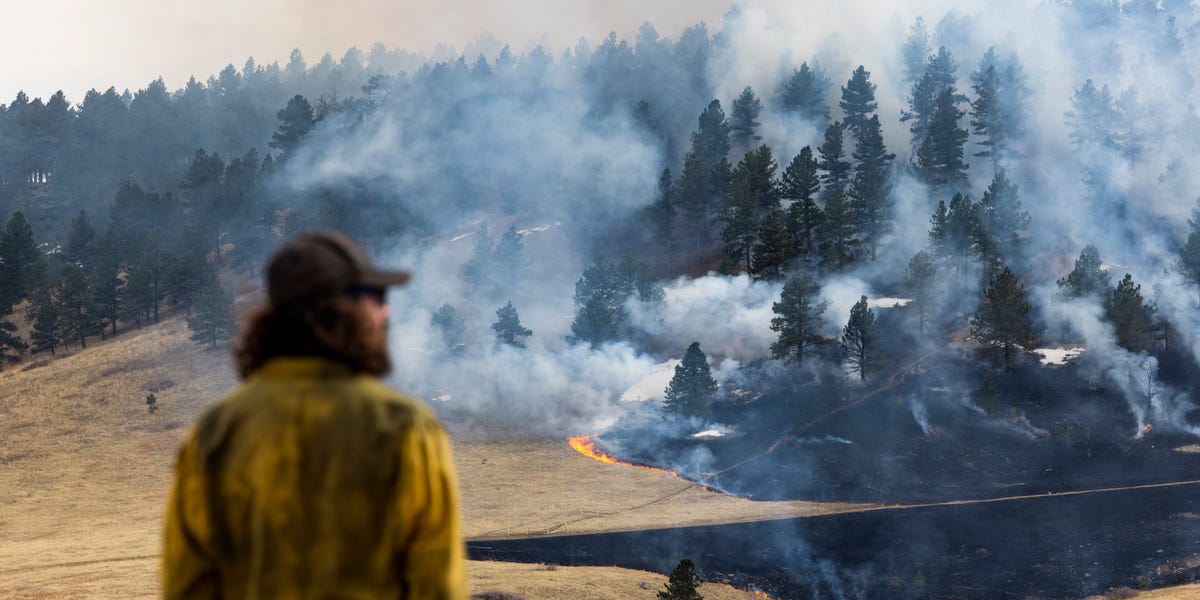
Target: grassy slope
x=84, y=472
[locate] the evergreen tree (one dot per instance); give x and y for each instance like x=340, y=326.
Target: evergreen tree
x=804, y=94
x=798, y=321
x=452, y=328
x=800, y=180
x=706, y=170
x=508, y=327
x=662, y=212
x=1189, y=253
x=144, y=290
x=47, y=331
x=753, y=191
x=212, y=319
x=915, y=51
x=295, y=121
x=478, y=268
x=743, y=120
x=1132, y=319
x=688, y=392
x=940, y=157
x=919, y=279
x=860, y=341
x=836, y=234
x=870, y=191
x=509, y=263
x=18, y=259
x=79, y=239
x=774, y=247
x=682, y=583
x=939, y=77
x=596, y=322
x=1087, y=279
x=1001, y=323
x=800, y=184
x=858, y=101
x=11, y=344
x=106, y=284
x=600, y=294
x=833, y=158
x=1000, y=215
x=79, y=319
x=998, y=112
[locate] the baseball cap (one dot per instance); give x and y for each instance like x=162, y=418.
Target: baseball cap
x=322, y=263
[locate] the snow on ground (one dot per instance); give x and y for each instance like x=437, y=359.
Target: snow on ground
x=1056, y=357
x=707, y=433
x=653, y=385
x=887, y=302
x=539, y=228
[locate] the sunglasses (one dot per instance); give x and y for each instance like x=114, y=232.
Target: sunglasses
x=375, y=292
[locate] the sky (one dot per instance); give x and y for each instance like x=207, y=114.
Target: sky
x=76, y=45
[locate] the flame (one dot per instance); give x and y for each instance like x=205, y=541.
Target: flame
x=761, y=594
x=1142, y=432
x=585, y=445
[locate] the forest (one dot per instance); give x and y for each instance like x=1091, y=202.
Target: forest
x=652, y=196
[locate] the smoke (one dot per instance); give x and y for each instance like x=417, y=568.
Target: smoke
x=544, y=143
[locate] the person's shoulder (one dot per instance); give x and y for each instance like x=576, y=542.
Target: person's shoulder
x=397, y=403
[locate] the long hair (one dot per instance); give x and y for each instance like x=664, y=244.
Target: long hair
x=331, y=327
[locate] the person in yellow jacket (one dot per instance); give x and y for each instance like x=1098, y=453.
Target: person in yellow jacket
x=313, y=479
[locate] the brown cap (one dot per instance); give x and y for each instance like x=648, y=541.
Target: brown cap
x=322, y=263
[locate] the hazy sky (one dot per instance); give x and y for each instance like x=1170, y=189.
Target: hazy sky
x=75, y=45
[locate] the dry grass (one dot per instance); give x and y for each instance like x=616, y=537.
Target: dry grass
x=85, y=468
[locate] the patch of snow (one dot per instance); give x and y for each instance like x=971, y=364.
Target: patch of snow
x=442, y=398
x=539, y=228
x=707, y=433
x=887, y=302
x=1057, y=357
x=654, y=385
x=460, y=237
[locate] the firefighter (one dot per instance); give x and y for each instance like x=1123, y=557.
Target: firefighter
x=313, y=479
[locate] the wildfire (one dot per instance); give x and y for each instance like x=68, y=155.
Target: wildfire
x=585, y=445
x=762, y=595
x=1142, y=432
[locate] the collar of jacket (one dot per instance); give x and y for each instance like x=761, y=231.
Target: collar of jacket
x=302, y=367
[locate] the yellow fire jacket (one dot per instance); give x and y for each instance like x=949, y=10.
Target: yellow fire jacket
x=309, y=481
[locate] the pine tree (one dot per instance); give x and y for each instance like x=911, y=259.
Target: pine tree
x=706, y=170
x=774, y=247
x=1189, y=253
x=804, y=94
x=295, y=121
x=1001, y=323
x=915, y=51
x=688, y=392
x=600, y=294
x=47, y=331
x=1132, y=319
x=1000, y=215
x=860, y=341
x=478, y=269
x=508, y=327
x=800, y=184
x=799, y=320
x=662, y=212
x=870, y=191
x=451, y=327
x=18, y=257
x=858, y=101
x=212, y=320
x=743, y=120
x=940, y=158
x=79, y=239
x=79, y=319
x=833, y=158
x=753, y=191
x=682, y=583
x=1087, y=279
x=836, y=235
x=509, y=264
x=919, y=279
x=11, y=345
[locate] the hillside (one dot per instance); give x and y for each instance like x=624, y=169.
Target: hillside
x=85, y=468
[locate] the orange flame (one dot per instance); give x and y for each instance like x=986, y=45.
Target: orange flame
x=761, y=594
x=585, y=445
